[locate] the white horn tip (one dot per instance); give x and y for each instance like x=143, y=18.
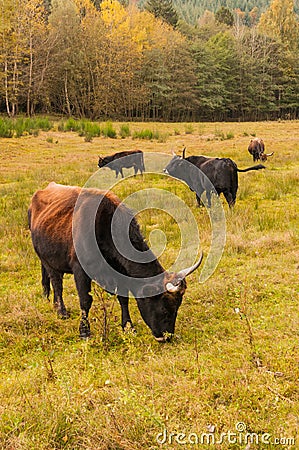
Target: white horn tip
x=171, y=288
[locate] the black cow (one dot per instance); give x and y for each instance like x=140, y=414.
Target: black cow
x=256, y=148
x=222, y=173
x=120, y=160
x=63, y=220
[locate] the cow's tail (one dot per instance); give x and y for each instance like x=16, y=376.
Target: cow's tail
x=29, y=218
x=258, y=167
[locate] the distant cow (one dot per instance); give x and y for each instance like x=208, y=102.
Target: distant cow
x=257, y=149
x=120, y=160
x=63, y=221
x=221, y=172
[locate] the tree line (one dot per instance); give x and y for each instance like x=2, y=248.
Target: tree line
x=191, y=10
x=105, y=60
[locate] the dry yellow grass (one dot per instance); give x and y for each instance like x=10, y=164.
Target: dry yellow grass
x=234, y=358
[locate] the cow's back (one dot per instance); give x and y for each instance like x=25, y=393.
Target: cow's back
x=52, y=208
x=50, y=220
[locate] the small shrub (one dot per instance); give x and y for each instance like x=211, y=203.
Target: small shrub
x=219, y=135
x=230, y=135
x=176, y=132
x=49, y=140
x=91, y=129
x=189, y=129
x=146, y=134
x=6, y=128
x=72, y=125
x=108, y=131
x=43, y=123
x=19, y=127
x=88, y=137
x=125, y=131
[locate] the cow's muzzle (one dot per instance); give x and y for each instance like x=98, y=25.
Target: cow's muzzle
x=166, y=338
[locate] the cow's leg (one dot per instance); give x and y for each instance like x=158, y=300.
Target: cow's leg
x=83, y=285
x=121, y=172
x=56, y=280
x=231, y=200
x=45, y=281
x=126, y=321
x=208, y=196
x=199, y=202
x=135, y=170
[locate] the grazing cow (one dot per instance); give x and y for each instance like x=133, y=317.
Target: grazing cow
x=221, y=172
x=118, y=161
x=257, y=149
x=64, y=219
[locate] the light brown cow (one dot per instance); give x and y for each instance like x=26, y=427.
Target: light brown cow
x=257, y=149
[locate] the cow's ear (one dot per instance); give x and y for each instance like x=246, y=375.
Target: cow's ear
x=150, y=290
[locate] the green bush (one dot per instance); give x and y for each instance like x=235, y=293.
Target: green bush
x=72, y=125
x=146, y=134
x=125, y=131
x=90, y=129
x=6, y=128
x=108, y=131
x=230, y=135
x=189, y=129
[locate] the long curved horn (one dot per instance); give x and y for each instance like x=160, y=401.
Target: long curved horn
x=184, y=151
x=269, y=154
x=173, y=152
x=183, y=274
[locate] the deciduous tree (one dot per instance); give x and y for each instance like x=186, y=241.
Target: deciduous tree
x=280, y=22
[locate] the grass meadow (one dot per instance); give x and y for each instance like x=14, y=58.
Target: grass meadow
x=230, y=377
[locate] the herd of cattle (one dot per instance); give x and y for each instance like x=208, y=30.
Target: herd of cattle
x=158, y=293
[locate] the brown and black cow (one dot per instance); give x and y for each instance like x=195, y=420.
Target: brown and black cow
x=204, y=174
x=73, y=231
x=121, y=160
x=256, y=148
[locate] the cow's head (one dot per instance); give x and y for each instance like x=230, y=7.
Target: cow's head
x=264, y=156
x=100, y=162
x=176, y=167
x=159, y=310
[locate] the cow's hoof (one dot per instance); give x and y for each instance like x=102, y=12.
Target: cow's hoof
x=63, y=314
x=84, y=329
x=128, y=328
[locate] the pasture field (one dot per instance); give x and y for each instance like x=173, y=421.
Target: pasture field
x=230, y=377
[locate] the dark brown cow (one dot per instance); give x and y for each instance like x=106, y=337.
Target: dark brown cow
x=120, y=160
x=63, y=222
x=218, y=175
x=257, y=149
